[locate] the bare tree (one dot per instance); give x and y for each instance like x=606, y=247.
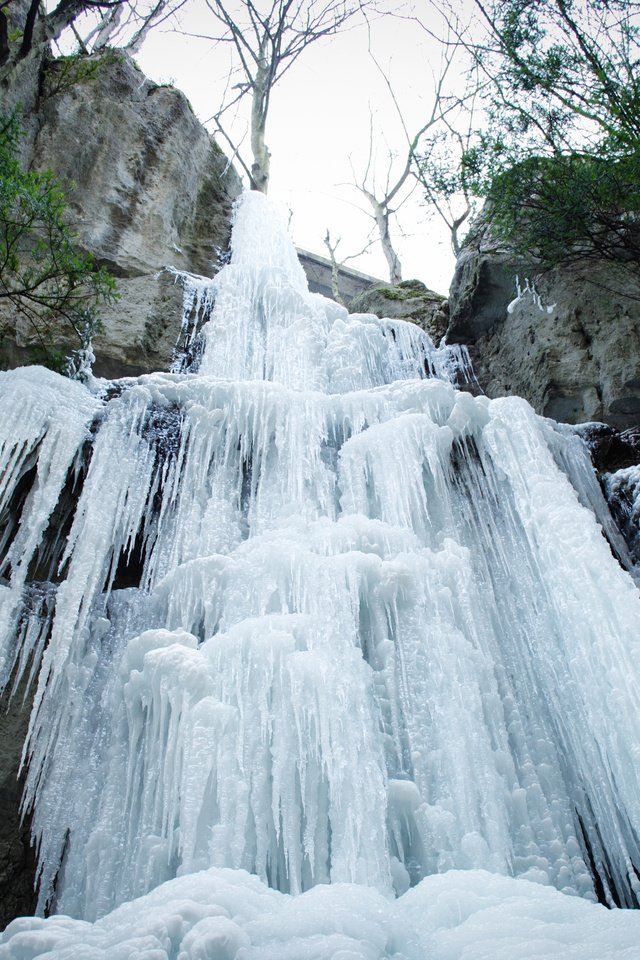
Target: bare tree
x=385, y=200
x=440, y=168
x=37, y=26
x=95, y=24
x=267, y=37
x=126, y=25
x=338, y=264
x=332, y=247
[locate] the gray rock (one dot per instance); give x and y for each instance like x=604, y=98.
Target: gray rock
x=408, y=300
x=572, y=349
x=141, y=328
x=17, y=857
x=615, y=456
x=483, y=285
x=147, y=187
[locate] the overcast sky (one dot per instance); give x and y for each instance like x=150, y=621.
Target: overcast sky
x=318, y=130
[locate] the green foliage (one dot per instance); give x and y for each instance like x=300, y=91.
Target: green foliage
x=564, y=72
x=44, y=275
x=559, y=158
x=63, y=73
x=570, y=207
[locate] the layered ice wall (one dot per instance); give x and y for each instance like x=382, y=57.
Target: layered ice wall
x=313, y=613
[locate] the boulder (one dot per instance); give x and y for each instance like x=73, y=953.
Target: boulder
x=407, y=300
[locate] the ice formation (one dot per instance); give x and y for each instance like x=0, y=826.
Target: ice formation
x=311, y=613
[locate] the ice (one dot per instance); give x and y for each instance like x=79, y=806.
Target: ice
x=238, y=744
x=308, y=629
x=230, y=915
x=45, y=422
x=528, y=291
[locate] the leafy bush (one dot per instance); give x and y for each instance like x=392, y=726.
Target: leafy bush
x=559, y=155
x=569, y=207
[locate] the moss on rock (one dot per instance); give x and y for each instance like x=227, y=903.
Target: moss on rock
x=408, y=300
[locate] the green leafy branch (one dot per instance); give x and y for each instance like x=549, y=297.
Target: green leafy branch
x=49, y=281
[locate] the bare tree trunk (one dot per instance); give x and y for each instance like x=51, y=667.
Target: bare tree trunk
x=381, y=215
x=335, y=268
x=267, y=39
x=259, y=149
x=4, y=39
x=29, y=27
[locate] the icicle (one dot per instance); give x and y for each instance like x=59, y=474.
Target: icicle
x=45, y=422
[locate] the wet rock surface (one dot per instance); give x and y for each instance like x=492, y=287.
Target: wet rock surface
x=616, y=458
x=17, y=857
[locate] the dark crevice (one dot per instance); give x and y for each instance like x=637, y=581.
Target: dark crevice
x=131, y=564
x=45, y=564
x=10, y=518
x=598, y=884
x=162, y=430
x=608, y=892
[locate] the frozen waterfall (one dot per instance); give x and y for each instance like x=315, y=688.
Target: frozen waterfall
x=312, y=613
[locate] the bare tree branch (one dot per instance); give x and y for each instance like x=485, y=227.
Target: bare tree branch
x=338, y=264
x=267, y=39
x=384, y=202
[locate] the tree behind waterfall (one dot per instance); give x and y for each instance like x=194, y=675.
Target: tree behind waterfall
x=421, y=159
x=420, y=165
x=267, y=37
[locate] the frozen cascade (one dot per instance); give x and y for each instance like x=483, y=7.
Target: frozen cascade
x=312, y=613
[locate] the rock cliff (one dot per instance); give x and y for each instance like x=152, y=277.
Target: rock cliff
x=568, y=340
x=147, y=187
x=570, y=344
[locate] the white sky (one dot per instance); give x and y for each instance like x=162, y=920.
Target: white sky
x=318, y=126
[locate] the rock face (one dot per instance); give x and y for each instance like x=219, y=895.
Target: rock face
x=147, y=187
x=570, y=345
x=616, y=458
x=17, y=858
x=408, y=300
